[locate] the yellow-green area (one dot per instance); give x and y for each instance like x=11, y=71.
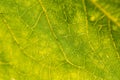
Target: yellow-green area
x=59, y=39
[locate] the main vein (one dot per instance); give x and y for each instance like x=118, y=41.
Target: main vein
x=114, y=20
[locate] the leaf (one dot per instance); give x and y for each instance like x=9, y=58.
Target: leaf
x=59, y=40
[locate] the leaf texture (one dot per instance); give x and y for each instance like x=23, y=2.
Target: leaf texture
x=59, y=40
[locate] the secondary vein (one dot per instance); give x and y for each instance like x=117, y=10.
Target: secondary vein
x=56, y=39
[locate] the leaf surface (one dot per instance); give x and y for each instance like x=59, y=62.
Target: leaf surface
x=59, y=40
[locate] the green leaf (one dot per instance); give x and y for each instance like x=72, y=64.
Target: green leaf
x=59, y=39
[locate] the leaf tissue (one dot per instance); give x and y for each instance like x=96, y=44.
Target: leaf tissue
x=59, y=39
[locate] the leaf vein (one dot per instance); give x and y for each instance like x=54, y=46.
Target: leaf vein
x=56, y=39
x=15, y=40
x=113, y=42
x=114, y=20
